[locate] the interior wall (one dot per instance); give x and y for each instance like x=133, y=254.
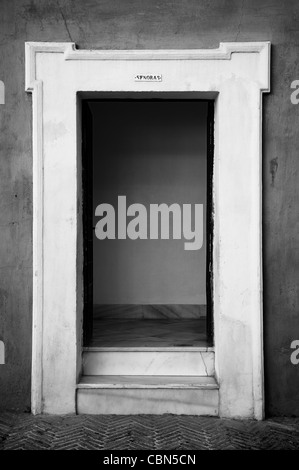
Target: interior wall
x=152, y=152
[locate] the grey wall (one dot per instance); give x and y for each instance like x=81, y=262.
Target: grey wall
x=152, y=153
x=153, y=24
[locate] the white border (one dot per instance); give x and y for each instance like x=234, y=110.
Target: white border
x=257, y=75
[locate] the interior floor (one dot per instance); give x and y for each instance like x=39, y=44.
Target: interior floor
x=168, y=330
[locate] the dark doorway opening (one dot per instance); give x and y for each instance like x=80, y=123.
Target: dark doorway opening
x=152, y=150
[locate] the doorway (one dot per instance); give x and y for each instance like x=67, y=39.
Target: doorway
x=147, y=220
x=197, y=380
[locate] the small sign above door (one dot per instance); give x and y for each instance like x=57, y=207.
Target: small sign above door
x=148, y=78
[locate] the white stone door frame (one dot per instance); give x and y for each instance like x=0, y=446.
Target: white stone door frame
x=236, y=75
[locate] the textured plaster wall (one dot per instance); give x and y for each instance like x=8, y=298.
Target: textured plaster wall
x=119, y=24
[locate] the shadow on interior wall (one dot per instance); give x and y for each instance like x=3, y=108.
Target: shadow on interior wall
x=167, y=311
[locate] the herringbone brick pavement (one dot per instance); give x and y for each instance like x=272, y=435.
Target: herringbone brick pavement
x=166, y=432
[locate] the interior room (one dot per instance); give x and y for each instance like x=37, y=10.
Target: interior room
x=149, y=266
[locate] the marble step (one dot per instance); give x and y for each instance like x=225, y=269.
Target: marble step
x=182, y=361
x=147, y=395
